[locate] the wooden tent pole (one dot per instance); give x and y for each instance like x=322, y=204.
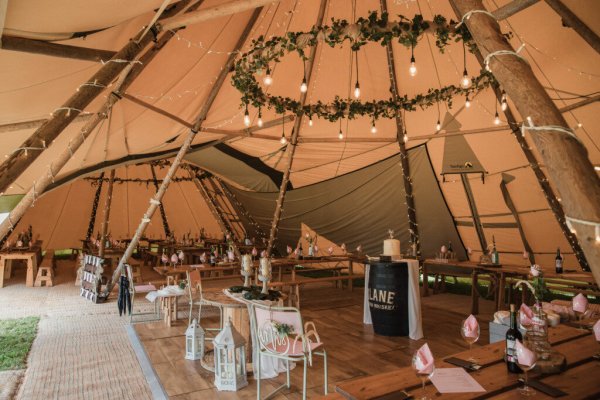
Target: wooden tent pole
x=92, y=223
x=572, y=21
x=413, y=229
x=161, y=207
x=563, y=154
x=17, y=162
x=553, y=202
x=510, y=9
x=156, y=200
x=474, y=213
x=25, y=45
x=291, y=148
x=511, y=206
x=47, y=178
x=106, y=216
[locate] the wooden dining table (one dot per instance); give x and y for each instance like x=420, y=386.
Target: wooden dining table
x=31, y=255
x=580, y=380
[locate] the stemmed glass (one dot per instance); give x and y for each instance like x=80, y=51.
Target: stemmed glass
x=417, y=365
x=526, y=391
x=469, y=338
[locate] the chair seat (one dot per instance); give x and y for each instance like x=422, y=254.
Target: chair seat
x=297, y=352
x=144, y=288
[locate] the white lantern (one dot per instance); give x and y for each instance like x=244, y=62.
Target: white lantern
x=230, y=359
x=194, y=341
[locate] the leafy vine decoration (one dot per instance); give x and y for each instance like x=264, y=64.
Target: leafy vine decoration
x=373, y=28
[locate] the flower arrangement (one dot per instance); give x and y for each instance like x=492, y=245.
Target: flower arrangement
x=539, y=285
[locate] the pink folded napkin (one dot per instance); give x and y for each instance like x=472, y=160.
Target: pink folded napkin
x=524, y=355
x=164, y=259
x=254, y=252
x=580, y=303
x=525, y=315
x=424, y=362
x=597, y=330
x=471, y=327
x=174, y=259
x=289, y=249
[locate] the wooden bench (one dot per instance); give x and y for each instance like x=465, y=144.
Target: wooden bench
x=294, y=286
x=46, y=270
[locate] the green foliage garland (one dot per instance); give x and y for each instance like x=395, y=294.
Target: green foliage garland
x=374, y=28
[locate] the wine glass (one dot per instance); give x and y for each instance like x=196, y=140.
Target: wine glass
x=417, y=365
x=527, y=391
x=469, y=336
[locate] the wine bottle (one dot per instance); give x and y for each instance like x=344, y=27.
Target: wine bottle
x=512, y=334
x=495, y=254
x=558, y=262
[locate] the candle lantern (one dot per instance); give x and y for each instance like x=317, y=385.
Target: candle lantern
x=265, y=273
x=230, y=359
x=247, y=271
x=194, y=341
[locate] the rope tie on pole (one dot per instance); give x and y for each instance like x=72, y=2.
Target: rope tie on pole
x=155, y=202
x=487, y=59
x=468, y=15
x=552, y=128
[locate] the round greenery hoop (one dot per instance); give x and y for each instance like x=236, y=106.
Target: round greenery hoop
x=374, y=28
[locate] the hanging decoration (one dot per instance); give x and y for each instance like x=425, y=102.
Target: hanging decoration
x=374, y=28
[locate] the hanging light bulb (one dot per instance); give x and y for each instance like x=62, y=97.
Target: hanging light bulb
x=503, y=103
x=247, y=118
x=467, y=102
x=465, y=82
x=438, y=126
x=405, y=137
x=260, y=121
x=357, y=90
x=412, y=70
x=497, y=119
x=340, y=134
x=373, y=127
x=303, y=86
x=268, y=80
x=310, y=121
x=283, y=140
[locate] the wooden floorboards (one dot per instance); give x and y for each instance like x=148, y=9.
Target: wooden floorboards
x=353, y=349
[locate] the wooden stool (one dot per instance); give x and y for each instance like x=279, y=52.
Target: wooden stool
x=45, y=274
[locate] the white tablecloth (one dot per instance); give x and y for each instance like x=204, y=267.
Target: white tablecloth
x=415, y=328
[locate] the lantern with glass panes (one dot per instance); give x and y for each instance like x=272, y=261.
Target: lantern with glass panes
x=230, y=359
x=194, y=341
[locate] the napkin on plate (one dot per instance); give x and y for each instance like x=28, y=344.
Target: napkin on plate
x=424, y=360
x=580, y=303
x=525, y=314
x=596, y=329
x=471, y=327
x=524, y=355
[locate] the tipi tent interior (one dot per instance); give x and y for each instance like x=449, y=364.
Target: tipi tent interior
x=306, y=135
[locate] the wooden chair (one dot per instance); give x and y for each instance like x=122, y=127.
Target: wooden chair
x=299, y=345
x=194, y=287
x=141, y=289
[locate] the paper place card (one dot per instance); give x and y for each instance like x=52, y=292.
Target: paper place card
x=455, y=380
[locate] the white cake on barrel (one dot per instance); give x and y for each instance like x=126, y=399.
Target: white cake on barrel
x=391, y=246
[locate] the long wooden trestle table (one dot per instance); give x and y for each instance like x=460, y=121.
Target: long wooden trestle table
x=581, y=380
x=497, y=275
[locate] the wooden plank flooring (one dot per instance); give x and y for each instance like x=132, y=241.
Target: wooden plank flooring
x=353, y=349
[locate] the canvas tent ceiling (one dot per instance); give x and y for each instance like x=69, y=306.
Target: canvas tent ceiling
x=181, y=75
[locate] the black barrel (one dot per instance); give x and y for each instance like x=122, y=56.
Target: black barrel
x=388, y=298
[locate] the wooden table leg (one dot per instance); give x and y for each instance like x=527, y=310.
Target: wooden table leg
x=474, y=294
x=425, y=282
x=500, y=296
x=351, y=273
x=2, y=267
x=31, y=272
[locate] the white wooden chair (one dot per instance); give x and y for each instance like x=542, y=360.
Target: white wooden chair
x=299, y=344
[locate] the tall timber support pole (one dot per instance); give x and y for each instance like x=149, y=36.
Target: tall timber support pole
x=564, y=155
x=291, y=148
x=156, y=200
x=106, y=216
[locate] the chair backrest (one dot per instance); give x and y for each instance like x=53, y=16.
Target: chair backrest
x=194, y=282
x=265, y=321
x=130, y=278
